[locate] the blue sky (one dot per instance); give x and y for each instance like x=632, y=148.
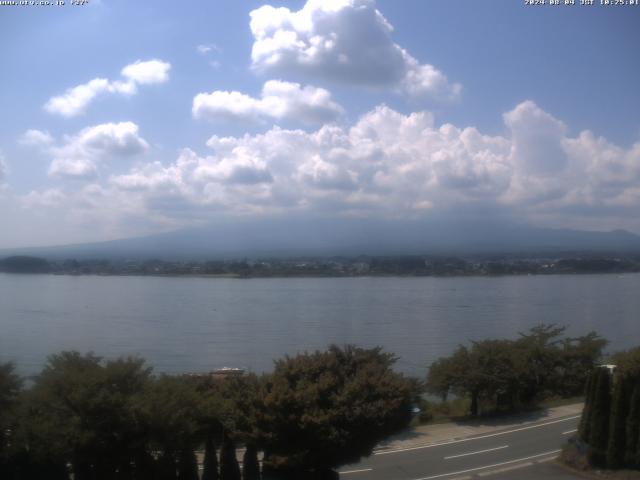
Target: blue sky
x=188, y=113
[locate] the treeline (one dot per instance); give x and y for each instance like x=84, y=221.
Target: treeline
x=507, y=375
x=609, y=432
x=98, y=420
x=400, y=265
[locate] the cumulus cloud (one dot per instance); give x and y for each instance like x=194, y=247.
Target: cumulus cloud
x=36, y=138
x=385, y=165
x=76, y=99
x=278, y=100
x=147, y=73
x=348, y=41
x=79, y=155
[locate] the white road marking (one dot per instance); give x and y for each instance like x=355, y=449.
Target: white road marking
x=570, y=431
x=356, y=471
x=477, y=438
x=489, y=466
x=475, y=453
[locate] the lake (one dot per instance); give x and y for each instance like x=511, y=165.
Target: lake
x=182, y=324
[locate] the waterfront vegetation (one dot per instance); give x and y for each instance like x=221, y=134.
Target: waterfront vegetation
x=609, y=432
x=104, y=419
x=400, y=265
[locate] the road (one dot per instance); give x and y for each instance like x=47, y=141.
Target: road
x=493, y=452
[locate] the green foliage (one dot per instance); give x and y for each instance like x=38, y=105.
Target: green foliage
x=250, y=465
x=584, y=429
x=330, y=408
x=210, y=463
x=229, y=468
x=617, y=422
x=187, y=465
x=632, y=449
x=510, y=374
x=599, y=436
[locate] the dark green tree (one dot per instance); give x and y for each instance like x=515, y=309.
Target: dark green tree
x=599, y=431
x=187, y=465
x=80, y=410
x=633, y=430
x=229, y=468
x=584, y=428
x=617, y=422
x=210, y=463
x=326, y=409
x=250, y=465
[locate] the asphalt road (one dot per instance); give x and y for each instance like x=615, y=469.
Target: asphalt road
x=498, y=451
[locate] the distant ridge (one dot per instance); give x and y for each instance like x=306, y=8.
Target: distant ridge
x=324, y=237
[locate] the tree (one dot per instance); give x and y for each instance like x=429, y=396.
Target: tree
x=210, y=463
x=326, y=409
x=250, y=465
x=632, y=430
x=229, y=468
x=584, y=429
x=187, y=465
x=617, y=422
x=599, y=430
x=10, y=386
x=168, y=410
x=80, y=411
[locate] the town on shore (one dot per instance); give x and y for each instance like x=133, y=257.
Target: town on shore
x=339, y=266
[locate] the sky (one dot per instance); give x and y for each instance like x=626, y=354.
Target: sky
x=122, y=119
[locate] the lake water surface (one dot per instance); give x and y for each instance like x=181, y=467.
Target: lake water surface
x=195, y=324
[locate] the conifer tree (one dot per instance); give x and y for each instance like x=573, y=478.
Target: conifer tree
x=633, y=430
x=585, y=420
x=598, y=437
x=187, y=465
x=210, y=467
x=250, y=465
x=229, y=468
x=617, y=423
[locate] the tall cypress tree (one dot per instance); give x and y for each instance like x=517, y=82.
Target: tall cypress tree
x=250, y=465
x=229, y=468
x=210, y=467
x=598, y=437
x=187, y=465
x=633, y=430
x=585, y=420
x=617, y=423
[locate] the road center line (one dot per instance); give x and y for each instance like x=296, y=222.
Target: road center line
x=570, y=431
x=489, y=466
x=355, y=471
x=388, y=452
x=475, y=453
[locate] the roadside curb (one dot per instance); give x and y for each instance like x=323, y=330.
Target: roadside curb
x=558, y=414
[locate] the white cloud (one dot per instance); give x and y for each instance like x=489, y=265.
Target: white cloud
x=387, y=164
x=36, y=138
x=3, y=168
x=47, y=198
x=207, y=48
x=76, y=99
x=80, y=154
x=279, y=100
x=348, y=41
x=147, y=73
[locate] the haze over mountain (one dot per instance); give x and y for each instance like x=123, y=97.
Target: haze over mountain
x=327, y=237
